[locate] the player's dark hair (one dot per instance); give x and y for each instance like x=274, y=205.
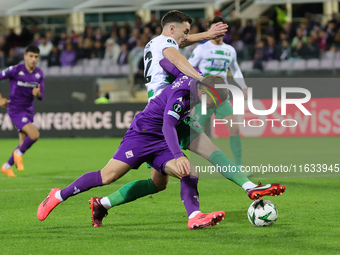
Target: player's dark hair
x=211, y=80
x=217, y=19
x=32, y=48
x=175, y=16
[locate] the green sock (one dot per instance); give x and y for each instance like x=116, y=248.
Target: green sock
x=131, y=191
x=219, y=160
x=236, y=148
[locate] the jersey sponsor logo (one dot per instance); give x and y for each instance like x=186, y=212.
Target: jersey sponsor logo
x=177, y=107
x=171, y=41
x=174, y=114
x=37, y=75
x=21, y=73
x=27, y=84
x=129, y=154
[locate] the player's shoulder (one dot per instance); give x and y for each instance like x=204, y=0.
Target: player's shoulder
x=228, y=47
x=38, y=70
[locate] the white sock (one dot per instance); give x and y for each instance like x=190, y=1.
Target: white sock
x=7, y=166
x=57, y=195
x=193, y=214
x=248, y=185
x=106, y=203
x=19, y=152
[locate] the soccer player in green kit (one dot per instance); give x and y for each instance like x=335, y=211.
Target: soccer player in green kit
x=215, y=57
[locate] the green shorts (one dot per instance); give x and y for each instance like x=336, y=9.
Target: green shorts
x=222, y=111
x=187, y=131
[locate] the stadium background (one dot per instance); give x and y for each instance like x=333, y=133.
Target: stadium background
x=106, y=40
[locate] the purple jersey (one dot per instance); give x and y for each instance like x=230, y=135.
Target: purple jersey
x=22, y=83
x=161, y=116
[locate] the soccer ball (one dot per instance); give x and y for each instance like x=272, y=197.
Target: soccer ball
x=262, y=213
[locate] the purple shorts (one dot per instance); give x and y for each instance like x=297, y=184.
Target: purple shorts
x=137, y=148
x=20, y=117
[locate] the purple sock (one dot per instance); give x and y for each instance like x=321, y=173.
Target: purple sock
x=10, y=161
x=83, y=183
x=26, y=144
x=189, y=194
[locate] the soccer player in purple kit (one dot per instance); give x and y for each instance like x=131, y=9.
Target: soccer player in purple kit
x=152, y=138
x=27, y=82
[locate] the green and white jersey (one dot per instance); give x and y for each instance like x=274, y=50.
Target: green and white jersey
x=212, y=59
x=156, y=79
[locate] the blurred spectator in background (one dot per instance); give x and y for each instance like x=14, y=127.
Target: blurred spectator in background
x=98, y=50
x=138, y=24
x=296, y=51
x=127, y=28
x=112, y=50
x=330, y=30
x=323, y=40
x=79, y=48
x=259, y=55
x=135, y=56
x=99, y=35
x=271, y=51
x=236, y=42
x=88, y=33
x=25, y=37
x=123, y=56
x=74, y=37
x=88, y=47
x=277, y=20
x=45, y=48
x=336, y=44
x=310, y=49
x=36, y=39
x=289, y=31
x=284, y=50
x=248, y=36
x=283, y=37
x=4, y=46
x=132, y=42
x=310, y=22
x=12, y=38
x=154, y=22
x=53, y=58
x=68, y=57
x=123, y=37
x=12, y=59
x=62, y=40
x=50, y=36
x=147, y=32
x=298, y=38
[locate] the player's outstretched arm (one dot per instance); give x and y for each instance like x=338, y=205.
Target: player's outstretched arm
x=216, y=30
x=183, y=65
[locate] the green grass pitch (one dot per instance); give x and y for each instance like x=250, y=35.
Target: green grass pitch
x=308, y=222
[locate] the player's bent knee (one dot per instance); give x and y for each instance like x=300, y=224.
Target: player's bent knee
x=35, y=136
x=161, y=187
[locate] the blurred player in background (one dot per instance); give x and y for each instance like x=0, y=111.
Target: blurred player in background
x=216, y=57
x=27, y=82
